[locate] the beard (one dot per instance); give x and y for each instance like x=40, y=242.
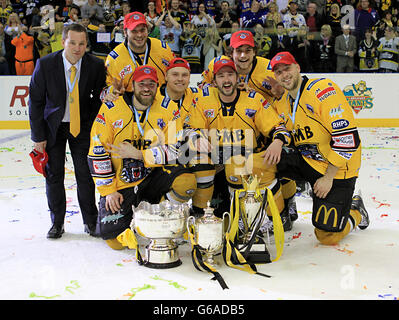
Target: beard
x=230, y=90
x=145, y=100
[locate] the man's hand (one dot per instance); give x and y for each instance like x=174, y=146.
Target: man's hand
x=113, y=202
x=118, y=89
x=273, y=152
x=40, y=146
x=277, y=90
x=124, y=150
x=203, y=145
x=322, y=186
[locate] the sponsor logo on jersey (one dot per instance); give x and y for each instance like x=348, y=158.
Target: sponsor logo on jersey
x=126, y=70
x=209, y=113
x=250, y=113
x=324, y=94
x=100, y=119
x=266, y=85
x=339, y=124
x=103, y=182
x=344, y=141
x=102, y=166
x=113, y=54
x=98, y=150
x=118, y=124
x=359, y=96
x=161, y=123
x=336, y=112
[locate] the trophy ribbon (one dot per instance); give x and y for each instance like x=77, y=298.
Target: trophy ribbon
x=128, y=238
x=232, y=256
x=199, y=263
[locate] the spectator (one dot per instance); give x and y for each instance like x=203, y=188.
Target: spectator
x=151, y=14
x=280, y=41
x=225, y=18
x=301, y=49
x=212, y=45
x=192, y=8
x=345, y=48
x=74, y=15
x=117, y=34
x=13, y=26
x=202, y=21
x=368, y=54
x=98, y=48
x=313, y=19
x=243, y=7
x=18, y=7
x=56, y=37
x=365, y=18
x=292, y=19
x=388, y=49
x=190, y=43
x=170, y=31
x=4, y=70
x=93, y=11
x=257, y=15
x=333, y=19
x=28, y=6
x=273, y=17
x=179, y=15
x=210, y=7
x=62, y=13
x=329, y=3
x=302, y=6
x=23, y=43
x=5, y=11
x=108, y=7
x=226, y=38
x=323, y=51
x=386, y=21
x=263, y=41
x=125, y=9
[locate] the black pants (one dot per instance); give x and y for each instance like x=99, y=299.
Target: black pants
x=330, y=213
x=55, y=169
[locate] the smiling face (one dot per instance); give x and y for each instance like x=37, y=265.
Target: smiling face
x=288, y=75
x=177, y=79
x=226, y=80
x=137, y=38
x=74, y=45
x=243, y=56
x=144, y=92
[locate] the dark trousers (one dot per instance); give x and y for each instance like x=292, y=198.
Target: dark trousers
x=55, y=169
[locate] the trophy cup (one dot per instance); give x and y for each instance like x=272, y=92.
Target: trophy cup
x=161, y=224
x=208, y=233
x=252, y=211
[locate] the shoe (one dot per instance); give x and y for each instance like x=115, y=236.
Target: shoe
x=291, y=206
x=267, y=226
x=358, y=204
x=90, y=228
x=55, y=231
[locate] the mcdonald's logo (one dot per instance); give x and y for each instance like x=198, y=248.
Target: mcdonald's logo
x=327, y=215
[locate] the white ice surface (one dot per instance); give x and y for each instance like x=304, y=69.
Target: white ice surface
x=363, y=266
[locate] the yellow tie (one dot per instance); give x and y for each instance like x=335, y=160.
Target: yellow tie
x=74, y=114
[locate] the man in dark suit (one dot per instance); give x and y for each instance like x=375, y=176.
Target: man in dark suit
x=63, y=103
x=345, y=48
x=280, y=41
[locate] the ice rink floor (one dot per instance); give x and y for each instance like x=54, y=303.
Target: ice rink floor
x=79, y=267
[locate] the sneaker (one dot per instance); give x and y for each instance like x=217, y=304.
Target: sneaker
x=357, y=204
x=291, y=205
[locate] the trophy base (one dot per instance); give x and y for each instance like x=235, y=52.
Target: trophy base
x=258, y=253
x=162, y=255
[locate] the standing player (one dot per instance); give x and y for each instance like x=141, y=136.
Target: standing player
x=133, y=154
x=137, y=50
x=255, y=74
x=233, y=120
x=328, y=149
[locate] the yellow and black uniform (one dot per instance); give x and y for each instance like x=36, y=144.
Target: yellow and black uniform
x=122, y=61
x=233, y=130
x=256, y=79
x=324, y=132
x=156, y=132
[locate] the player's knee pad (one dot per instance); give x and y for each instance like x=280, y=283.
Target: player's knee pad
x=205, y=176
x=288, y=188
x=275, y=188
x=183, y=187
x=331, y=238
x=114, y=244
x=329, y=216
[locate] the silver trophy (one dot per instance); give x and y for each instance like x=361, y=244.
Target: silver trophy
x=252, y=211
x=160, y=223
x=208, y=233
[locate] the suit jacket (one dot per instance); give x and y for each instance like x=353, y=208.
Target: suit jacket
x=341, y=47
x=47, y=95
x=274, y=48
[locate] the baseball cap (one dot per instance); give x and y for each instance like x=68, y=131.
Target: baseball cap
x=39, y=161
x=293, y=1
x=178, y=62
x=242, y=37
x=282, y=57
x=223, y=63
x=145, y=72
x=133, y=19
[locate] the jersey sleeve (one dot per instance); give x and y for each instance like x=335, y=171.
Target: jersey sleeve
x=337, y=116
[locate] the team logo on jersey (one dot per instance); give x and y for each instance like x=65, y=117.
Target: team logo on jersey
x=161, y=123
x=336, y=112
x=250, y=113
x=359, y=96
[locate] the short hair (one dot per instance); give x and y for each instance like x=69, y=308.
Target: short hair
x=77, y=27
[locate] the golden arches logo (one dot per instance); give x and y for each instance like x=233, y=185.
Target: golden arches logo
x=327, y=214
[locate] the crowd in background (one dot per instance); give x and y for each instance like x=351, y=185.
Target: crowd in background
x=323, y=35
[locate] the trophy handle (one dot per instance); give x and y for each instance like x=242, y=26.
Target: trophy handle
x=189, y=224
x=229, y=225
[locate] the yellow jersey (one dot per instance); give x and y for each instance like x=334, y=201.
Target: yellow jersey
x=239, y=123
x=121, y=62
x=324, y=128
x=155, y=131
x=256, y=79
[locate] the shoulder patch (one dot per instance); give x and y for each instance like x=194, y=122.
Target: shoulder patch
x=165, y=102
x=194, y=90
x=252, y=94
x=163, y=44
x=205, y=91
x=313, y=82
x=113, y=54
x=109, y=104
